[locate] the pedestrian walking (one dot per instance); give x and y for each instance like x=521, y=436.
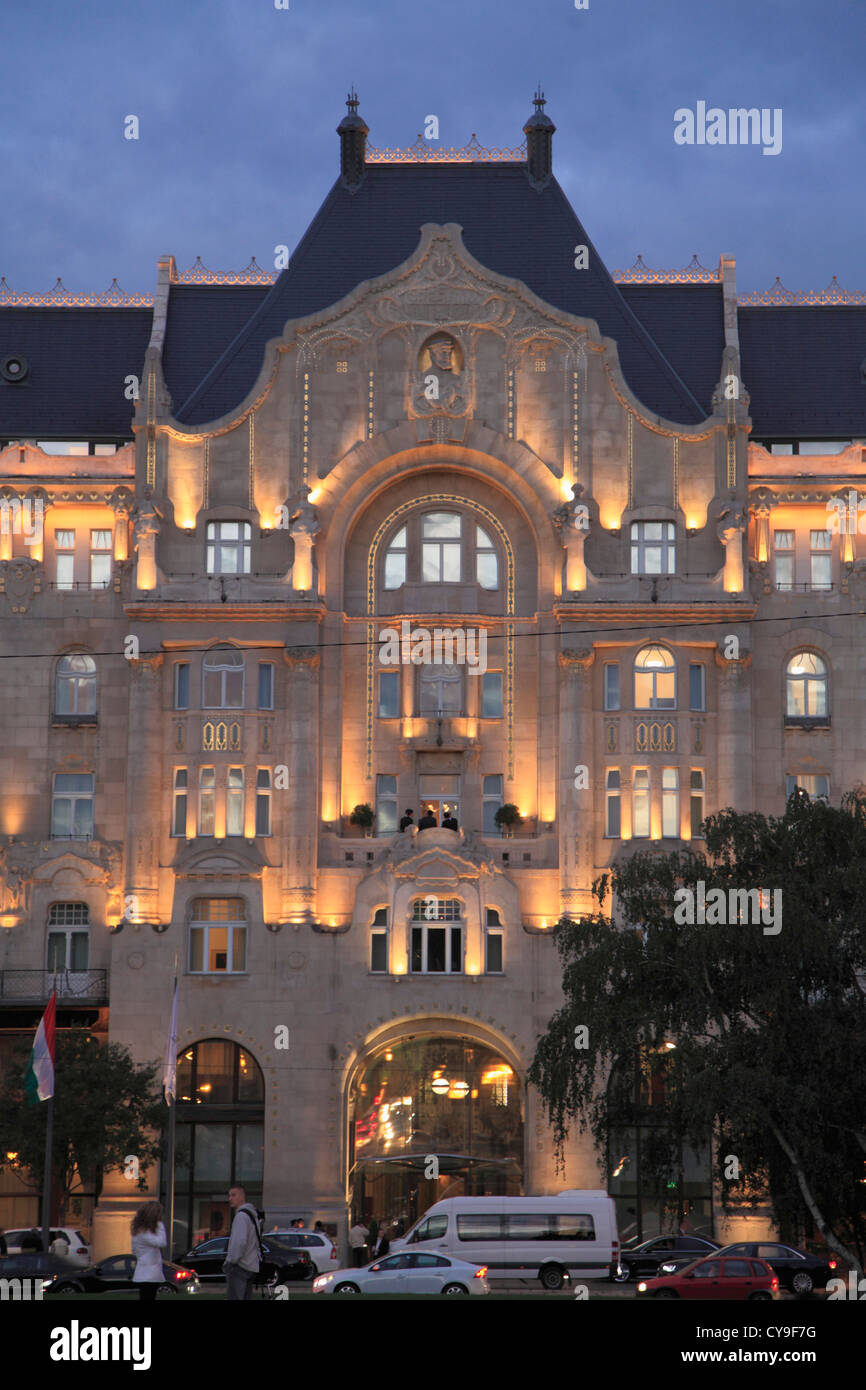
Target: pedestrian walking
x=148, y=1242
x=243, y=1257
x=358, y=1243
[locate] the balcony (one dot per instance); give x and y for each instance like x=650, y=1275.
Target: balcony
x=35, y=986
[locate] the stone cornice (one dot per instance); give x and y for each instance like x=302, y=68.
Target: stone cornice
x=656, y=614
x=187, y=610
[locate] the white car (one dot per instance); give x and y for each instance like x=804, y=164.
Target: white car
x=408, y=1272
x=320, y=1248
x=79, y=1249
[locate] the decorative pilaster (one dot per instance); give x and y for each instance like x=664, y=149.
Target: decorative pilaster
x=734, y=742
x=145, y=811
x=299, y=809
x=576, y=753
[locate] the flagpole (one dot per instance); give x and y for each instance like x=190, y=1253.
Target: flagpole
x=170, y=1179
x=47, y=1175
x=169, y=1085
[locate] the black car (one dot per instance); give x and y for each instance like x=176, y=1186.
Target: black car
x=116, y=1273
x=647, y=1258
x=798, y=1271
x=285, y=1262
x=38, y=1266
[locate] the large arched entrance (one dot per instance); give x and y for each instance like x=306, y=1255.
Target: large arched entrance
x=431, y=1117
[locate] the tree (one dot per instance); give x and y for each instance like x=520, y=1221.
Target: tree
x=106, y=1108
x=758, y=1028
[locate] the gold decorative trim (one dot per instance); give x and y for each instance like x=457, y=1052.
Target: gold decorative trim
x=306, y=443
x=630, y=461
x=644, y=420
x=509, y=428
x=659, y=615
x=693, y=273
x=423, y=152
x=252, y=461
x=192, y=611
x=676, y=471
x=575, y=425
x=151, y=427
x=206, y=481
x=371, y=404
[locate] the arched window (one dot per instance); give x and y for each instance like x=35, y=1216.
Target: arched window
x=75, y=686
x=395, y=561
x=806, y=682
x=67, y=956
x=223, y=678
x=439, y=547
x=655, y=679
x=486, y=560
x=441, y=534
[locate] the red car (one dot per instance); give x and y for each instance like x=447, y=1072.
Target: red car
x=732, y=1277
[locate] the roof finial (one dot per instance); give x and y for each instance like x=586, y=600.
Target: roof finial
x=539, y=100
x=352, y=101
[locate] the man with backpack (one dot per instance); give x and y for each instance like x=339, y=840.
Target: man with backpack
x=244, y=1255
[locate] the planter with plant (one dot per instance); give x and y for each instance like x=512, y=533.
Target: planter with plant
x=507, y=817
x=363, y=816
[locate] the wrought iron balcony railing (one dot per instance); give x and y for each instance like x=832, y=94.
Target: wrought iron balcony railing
x=35, y=986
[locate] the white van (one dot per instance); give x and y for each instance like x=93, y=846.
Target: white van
x=570, y=1236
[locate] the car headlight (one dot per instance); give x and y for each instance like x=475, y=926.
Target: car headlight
x=322, y=1280
x=46, y=1283
x=641, y=1288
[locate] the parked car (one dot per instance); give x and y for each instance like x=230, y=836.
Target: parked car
x=715, y=1278
x=421, y=1272
x=38, y=1266
x=116, y=1273
x=671, y=1251
x=798, y=1271
x=285, y=1263
x=79, y=1248
x=322, y=1250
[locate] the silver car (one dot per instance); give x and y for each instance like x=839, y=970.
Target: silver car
x=408, y=1272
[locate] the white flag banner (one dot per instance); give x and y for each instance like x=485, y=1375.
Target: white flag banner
x=169, y=1071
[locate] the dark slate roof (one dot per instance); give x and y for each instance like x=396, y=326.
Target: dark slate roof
x=507, y=226
x=78, y=361
x=801, y=368
x=202, y=321
x=687, y=322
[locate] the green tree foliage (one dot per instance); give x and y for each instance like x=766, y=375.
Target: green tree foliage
x=105, y=1108
x=769, y=1026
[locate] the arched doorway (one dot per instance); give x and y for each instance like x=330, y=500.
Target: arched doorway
x=220, y=1137
x=432, y=1117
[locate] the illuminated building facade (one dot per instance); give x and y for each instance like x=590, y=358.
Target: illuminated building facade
x=442, y=516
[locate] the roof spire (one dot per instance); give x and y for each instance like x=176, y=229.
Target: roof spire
x=539, y=131
x=353, y=132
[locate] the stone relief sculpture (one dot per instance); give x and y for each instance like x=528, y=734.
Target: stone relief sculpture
x=440, y=368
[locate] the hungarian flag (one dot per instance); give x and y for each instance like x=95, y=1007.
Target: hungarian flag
x=39, y=1081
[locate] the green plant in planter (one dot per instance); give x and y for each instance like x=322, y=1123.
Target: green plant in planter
x=364, y=816
x=507, y=817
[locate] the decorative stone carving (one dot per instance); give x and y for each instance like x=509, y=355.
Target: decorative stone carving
x=440, y=389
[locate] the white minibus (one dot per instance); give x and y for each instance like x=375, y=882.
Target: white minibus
x=572, y=1235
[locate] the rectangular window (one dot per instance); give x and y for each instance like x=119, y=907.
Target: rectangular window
x=379, y=942
x=816, y=785
x=178, y=810
x=640, y=804
x=491, y=695
x=386, y=804
x=100, y=559
x=181, y=685
x=696, y=794
x=783, y=558
x=235, y=801
x=697, y=685
x=266, y=685
x=820, y=557
x=670, y=803
x=440, y=690
x=389, y=694
x=72, y=806
x=611, y=685
x=206, y=800
x=64, y=547
x=68, y=950
x=228, y=547
x=493, y=960
x=492, y=797
x=437, y=950
x=612, y=804
x=263, y=801
x=653, y=547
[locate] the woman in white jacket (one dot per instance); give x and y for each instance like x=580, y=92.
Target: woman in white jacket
x=148, y=1241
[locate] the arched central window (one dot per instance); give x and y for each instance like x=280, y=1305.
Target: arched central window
x=807, y=687
x=655, y=681
x=75, y=689
x=441, y=547
x=223, y=678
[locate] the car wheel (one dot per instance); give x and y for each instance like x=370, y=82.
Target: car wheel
x=67, y=1290
x=166, y=1288
x=552, y=1277
x=454, y=1289
x=761, y=1297
x=666, y=1293
x=623, y=1276
x=347, y=1288
x=802, y=1283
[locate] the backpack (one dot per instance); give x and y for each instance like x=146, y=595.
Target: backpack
x=262, y=1252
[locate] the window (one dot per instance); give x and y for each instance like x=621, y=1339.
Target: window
x=612, y=804
x=491, y=695
x=711, y=1269
x=493, y=940
x=263, y=801
x=228, y=547
x=218, y=936
x=389, y=694
x=640, y=804
x=486, y=560
x=492, y=797
x=64, y=547
x=820, y=558
x=670, y=803
x=206, y=800
x=440, y=690
x=806, y=681
x=179, y=801
x=655, y=679
x=100, y=559
x=815, y=785
x=437, y=950
x=235, y=801
x=181, y=685
x=72, y=806
x=697, y=685
x=75, y=685
x=395, y=561
x=611, y=685
x=653, y=547
x=783, y=559
x=223, y=670
x=696, y=799
x=379, y=942
x=440, y=548
x=266, y=685
x=68, y=944
x=386, y=804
